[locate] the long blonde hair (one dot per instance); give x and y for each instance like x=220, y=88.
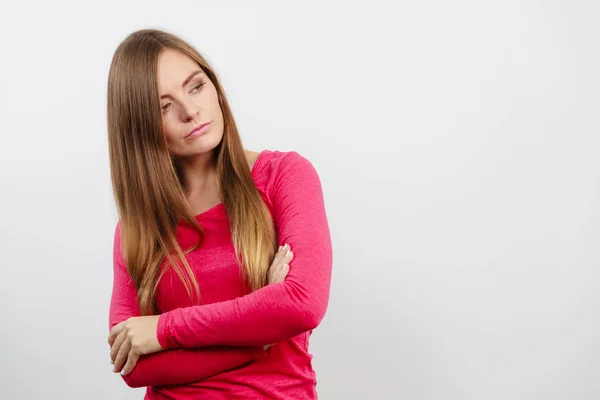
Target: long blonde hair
x=146, y=185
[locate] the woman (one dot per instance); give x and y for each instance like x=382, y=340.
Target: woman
x=207, y=302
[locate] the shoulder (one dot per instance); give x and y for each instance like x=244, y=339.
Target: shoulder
x=275, y=164
x=275, y=172
x=251, y=157
x=272, y=158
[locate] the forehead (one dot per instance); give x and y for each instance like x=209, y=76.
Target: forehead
x=173, y=68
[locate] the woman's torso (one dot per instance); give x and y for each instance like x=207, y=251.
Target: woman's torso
x=286, y=371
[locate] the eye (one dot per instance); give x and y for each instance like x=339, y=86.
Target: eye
x=197, y=87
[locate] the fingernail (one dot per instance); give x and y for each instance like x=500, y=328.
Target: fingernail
x=122, y=372
x=286, y=253
x=279, y=248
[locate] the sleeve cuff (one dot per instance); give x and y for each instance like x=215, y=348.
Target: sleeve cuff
x=163, y=333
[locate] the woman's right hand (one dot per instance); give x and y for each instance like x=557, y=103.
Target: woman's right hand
x=279, y=269
x=281, y=264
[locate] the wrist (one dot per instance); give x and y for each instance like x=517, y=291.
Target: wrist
x=163, y=332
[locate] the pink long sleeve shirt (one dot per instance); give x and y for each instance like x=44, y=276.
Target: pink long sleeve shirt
x=215, y=350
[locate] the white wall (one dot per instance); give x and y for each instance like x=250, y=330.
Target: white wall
x=457, y=143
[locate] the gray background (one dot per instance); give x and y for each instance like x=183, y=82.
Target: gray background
x=457, y=143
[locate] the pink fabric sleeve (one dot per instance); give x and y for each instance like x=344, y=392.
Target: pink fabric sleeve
x=169, y=366
x=278, y=311
x=181, y=366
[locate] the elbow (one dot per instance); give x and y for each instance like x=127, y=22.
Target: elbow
x=304, y=309
x=132, y=382
x=309, y=315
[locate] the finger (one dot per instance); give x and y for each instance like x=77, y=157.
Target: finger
x=284, y=249
x=132, y=359
x=114, y=350
x=276, y=270
x=285, y=271
x=280, y=254
x=284, y=255
x=289, y=256
x=282, y=273
x=122, y=356
x=114, y=332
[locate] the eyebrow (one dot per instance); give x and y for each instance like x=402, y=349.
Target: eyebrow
x=187, y=80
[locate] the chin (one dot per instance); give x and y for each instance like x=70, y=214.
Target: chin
x=206, y=143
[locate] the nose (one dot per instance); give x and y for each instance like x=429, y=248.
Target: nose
x=190, y=111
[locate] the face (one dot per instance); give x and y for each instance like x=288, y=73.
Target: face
x=188, y=99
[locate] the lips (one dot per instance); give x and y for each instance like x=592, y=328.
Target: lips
x=197, y=128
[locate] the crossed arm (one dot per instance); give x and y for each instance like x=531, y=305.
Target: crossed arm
x=175, y=366
x=194, y=337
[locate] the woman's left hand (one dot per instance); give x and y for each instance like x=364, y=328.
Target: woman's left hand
x=132, y=338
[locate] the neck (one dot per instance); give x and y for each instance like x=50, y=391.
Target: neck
x=197, y=172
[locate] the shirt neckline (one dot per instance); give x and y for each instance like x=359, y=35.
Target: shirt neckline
x=220, y=205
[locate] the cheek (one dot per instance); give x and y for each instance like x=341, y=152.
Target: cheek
x=217, y=109
x=169, y=130
x=213, y=100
